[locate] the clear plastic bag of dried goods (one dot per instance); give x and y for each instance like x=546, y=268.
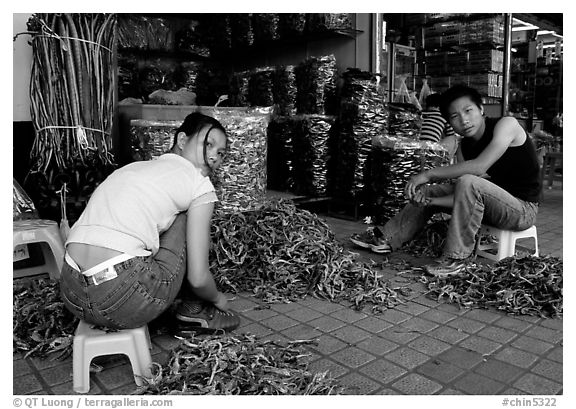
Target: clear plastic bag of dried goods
x=240, y=181
x=395, y=160
x=311, y=154
x=22, y=205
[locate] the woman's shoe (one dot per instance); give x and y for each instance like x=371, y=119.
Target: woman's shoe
x=372, y=239
x=195, y=314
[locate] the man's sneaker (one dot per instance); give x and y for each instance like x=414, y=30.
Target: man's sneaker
x=371, y=239
x=203, y=315
x=446, y=268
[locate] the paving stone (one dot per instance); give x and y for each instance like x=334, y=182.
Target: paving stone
x=475, y=384
x=461, y=357
x=279, y=322
x=533, y=345
x=256, y=329
x=350, y=334
x=386, y=391
x=325, y=307
x=45, y=363
x=557, y=354
x=513, y=324
x=373, y=324
x=56, y=375
x=537, y=385
x=497, y=334
x=377, y=345
x=451, y=391
x=452, y=308
x=440, y=317
x=383, y=371
x=348, y=315
x=356, y=384
x=261, y=314
x=499, y=371
x=304, y=314
x=517, y=357
x=545, y=334
x=441, y=371
x=26, y=384
x=335, y=370
x=242, y=305
x=326, y=323
x=428, y=345
x=512, y=391
x=466, y=325
x=352, y=357
x=553, y=323
x=407, y=357
x=126, y=390
x=449, y=335
x=413, y=308
x=549, y=369
x=419, y=325
x=415, y=384
x=399, y=334
x=395, y=316
x=483, y=315
x=285, y=307
x=481, y=345
x=20, y=367
x=115, y=377
x=327, y=344
x=424, y=300
x=67, y=389
x=302, y=331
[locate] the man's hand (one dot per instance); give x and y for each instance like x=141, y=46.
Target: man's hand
x=420, y=199
x=412, y=185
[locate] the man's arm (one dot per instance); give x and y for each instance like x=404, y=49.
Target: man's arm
x=507, y=132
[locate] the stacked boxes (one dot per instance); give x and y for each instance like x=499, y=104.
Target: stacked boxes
x=461, y=33
x=462, y=51
x=438, y=63
x=488, y=83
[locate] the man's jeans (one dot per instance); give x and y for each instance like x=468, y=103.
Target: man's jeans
x=144, y=289
x=476, y=201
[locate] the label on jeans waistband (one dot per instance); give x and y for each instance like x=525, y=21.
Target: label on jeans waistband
x=104, y=275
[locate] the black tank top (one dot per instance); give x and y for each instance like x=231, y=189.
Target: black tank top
x=517, y=171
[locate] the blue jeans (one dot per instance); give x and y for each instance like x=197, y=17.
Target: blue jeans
x=476, y=201
x=144, y=288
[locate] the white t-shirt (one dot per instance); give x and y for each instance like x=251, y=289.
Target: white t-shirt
x=136, y=203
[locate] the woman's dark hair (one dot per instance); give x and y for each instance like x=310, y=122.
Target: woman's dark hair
x=194, y=123
x=455, y=92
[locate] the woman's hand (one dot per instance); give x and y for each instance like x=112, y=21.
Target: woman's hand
x=412, y=186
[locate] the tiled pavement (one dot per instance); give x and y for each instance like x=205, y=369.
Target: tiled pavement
x=421, y=347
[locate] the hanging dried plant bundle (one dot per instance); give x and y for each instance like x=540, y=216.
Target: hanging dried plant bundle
x=71, y=89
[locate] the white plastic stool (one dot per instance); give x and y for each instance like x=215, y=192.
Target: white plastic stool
x=47, y=234
x=506, y=242
x=90, y=343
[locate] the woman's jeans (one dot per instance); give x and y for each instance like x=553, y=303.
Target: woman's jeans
x=144, y=288
x=476, y=201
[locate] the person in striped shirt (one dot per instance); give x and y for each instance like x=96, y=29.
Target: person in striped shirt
x=435, y=128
